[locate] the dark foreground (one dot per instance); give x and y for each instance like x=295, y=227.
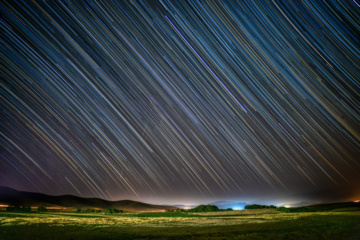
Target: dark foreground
x=234, y=225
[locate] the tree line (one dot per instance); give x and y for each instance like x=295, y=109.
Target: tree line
x=24, y=208
x=208, y=208
x=258, y=206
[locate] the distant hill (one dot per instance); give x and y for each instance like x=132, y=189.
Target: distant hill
x=333, y=206
x=11, y=196
x=181, y=206
x=229, y=204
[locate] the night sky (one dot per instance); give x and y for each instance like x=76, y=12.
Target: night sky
x=180, y=101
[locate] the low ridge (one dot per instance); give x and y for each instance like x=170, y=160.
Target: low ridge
x=9, y=196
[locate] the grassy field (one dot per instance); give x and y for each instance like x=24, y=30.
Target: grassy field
x=248, y=224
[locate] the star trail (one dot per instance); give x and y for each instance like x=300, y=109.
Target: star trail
x=173, y=100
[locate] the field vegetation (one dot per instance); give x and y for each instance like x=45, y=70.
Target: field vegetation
x=267, y=223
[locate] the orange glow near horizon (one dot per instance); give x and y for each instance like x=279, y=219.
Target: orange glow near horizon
x=34, y=207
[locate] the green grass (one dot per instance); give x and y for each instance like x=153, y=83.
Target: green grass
x=249, y=224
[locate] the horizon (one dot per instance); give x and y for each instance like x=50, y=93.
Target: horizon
x=235, y=204
x=192, y=102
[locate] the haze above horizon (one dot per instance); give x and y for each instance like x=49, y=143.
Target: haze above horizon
x=193, y=102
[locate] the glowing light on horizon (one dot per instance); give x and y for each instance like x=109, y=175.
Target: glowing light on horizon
x=238, y=208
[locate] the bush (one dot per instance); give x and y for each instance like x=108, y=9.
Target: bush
x=205, y=208
x=282, y=209
x=112, y=211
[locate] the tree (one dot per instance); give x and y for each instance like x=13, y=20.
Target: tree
x=258, y=206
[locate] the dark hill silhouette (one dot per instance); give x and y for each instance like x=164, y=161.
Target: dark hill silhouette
x=333, y=206
x=11, y=196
